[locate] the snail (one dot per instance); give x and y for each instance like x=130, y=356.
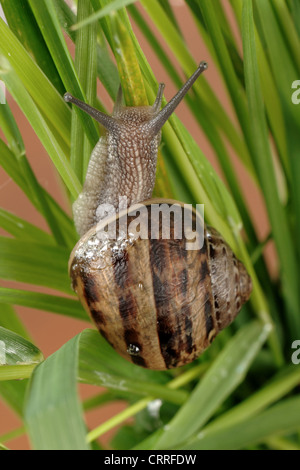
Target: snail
x=158, y=303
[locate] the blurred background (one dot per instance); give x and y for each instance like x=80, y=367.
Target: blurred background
x=49, y=332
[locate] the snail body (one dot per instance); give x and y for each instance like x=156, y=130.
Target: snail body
x=157, y=302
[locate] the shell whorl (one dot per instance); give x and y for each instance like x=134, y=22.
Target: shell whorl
x=152, y=299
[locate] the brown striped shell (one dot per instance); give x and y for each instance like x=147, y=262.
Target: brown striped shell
x=157, y=303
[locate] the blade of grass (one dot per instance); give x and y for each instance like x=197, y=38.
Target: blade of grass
x=11, y=131
x=280, y=228
x=53, y=413
x=36, y=120
x=204, y=120
x=86, y=67
x=113, y=6
x=51, y=303
x=125, y=55
x=288, y=29
x=132, y=410
x=44, y=265
x=48, y=22
x=281, y=419
x=106, y=69
x=228, y=370
x=285, y=73
x=18, y=357
x=20, y=228
x=280, y=385
x=203, y=90
x=13, y=393
x=36, y=83
x=21, y=21
x=10, y=320
x=11, y=166
x=270, y=94
x=101, y=365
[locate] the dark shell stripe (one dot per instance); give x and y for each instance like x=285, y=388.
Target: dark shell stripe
x=127, y=307
x=184, y=324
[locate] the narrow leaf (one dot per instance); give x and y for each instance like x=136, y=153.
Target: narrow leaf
x=18, y=357
x=226, y=373
x=53, y=413
x=37, y=300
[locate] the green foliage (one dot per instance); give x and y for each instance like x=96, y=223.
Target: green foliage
x=235, y=395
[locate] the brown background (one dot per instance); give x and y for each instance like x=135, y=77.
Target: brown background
x=50, y=331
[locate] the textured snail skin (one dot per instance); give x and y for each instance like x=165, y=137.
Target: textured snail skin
x=157, y=303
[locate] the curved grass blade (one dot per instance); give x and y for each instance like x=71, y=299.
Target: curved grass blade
x=11, y=131
x=20, y=228
x=40, y=126
x=22, y=22
x=106, y=68
x=86, y=67
x=11, y=166
x=35, y=82
x=29, y=262
x=10, y=320
x=46, y=16
x=53, y=413
x=283, y=383
x=51, y=303
x=226, y=373
x=99, y=364
x=264, y=164
x=18, y=357
x=111, y=7
x=202, y=90
x=281, y=419
x=288, y=29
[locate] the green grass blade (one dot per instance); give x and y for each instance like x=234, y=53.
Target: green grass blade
x=15, y=56
x=48, y=22
x=280, y=385
x=270, y=94
x=226, y=373
x=202, y=90
x=43, y=265
x=20, y=228
x=11, y=131
x=288, y=29
x=12, y=167
x=13, y=393
x=39, y=125
x=279, y=420
x=264, y=163
x=204, y=120
x=86, y=67
x=113, y=6
x=21, y=21
x=51, y=303
x=10, y=320
x=18, y=357
x=99, y=364
x=41, y=200
x=285, y=72
x=106, y=68
x=53, y=413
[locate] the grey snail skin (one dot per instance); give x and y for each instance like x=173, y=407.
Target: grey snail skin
x=157, y=303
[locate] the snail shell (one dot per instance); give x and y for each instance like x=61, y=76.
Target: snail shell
x=157, y=303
